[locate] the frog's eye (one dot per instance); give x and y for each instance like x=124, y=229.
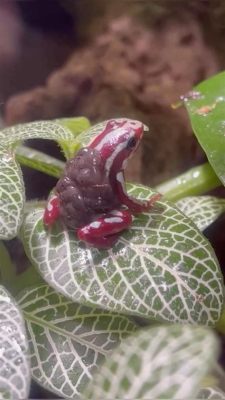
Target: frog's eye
x=131, y=143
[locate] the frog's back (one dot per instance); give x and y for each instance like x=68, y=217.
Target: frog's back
x=84, y=190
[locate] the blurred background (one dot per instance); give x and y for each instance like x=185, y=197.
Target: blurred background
x=103, y=59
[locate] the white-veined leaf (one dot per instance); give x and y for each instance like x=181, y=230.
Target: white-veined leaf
x=67, y=340
x=161, y=268
x=11, y=194
x=213, y=393
x=14, y=360
x=166, y=362
x=87, y=135
x=203, y=210
x=35, y=130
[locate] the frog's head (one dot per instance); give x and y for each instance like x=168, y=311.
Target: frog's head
x=117, y=142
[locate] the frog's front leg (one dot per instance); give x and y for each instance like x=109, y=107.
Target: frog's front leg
x=135, y=205
x=104, y=231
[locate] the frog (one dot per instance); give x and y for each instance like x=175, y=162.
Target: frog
x=91, y=198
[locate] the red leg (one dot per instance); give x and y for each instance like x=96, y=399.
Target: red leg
x=104, y=231
x=135, y=205
x=51, y=213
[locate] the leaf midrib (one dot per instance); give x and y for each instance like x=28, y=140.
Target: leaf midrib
x=61, y=332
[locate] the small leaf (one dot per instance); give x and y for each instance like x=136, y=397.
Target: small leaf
x=35, y=130
x=211, y=393
x=206, y=109
x=14, y=364
x=76, y=125
x=166, y=362
x=203, y=210
x=11, y=194
x=68, y=340
x=161, y=268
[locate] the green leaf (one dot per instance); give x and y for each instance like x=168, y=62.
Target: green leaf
x=161, y=268
x=206, y=109
x=40, y=161
x=35, y=130
x=67, y=340
x=159, y=363
x=11, y=194
x=194, y=182
x=211, y=393
x=203, y=210
x=76, y=125
x=14, y=360
x=7, y=268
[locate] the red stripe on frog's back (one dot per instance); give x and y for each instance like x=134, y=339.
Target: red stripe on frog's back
x=111, y=126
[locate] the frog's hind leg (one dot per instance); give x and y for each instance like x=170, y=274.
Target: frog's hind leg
x=51, y=213
x=105, y=230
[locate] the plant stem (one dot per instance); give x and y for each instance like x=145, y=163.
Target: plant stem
x=196, y=181
x=39, y=161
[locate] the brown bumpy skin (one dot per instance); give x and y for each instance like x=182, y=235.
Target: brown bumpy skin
x=84, y=190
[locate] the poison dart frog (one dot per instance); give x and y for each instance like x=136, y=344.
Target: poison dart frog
x=91, y=196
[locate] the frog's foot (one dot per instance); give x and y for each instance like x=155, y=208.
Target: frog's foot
x=104, y=232
x=51, y=213
x=135, y=205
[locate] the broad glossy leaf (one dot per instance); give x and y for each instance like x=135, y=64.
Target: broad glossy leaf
x=206, y=109
x=11, y=194
x=203, y=210
x=67, y=340
x=35, y=130
x=14, y=360
x=86, y=136
x=213, y=393
x=166, y=362
x=161, y=268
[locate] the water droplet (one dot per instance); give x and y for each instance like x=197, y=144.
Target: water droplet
x=7, y=157
x=220, y=98
x=18, y=361
x=195, y=174
x=164, y=287
x=192, y=95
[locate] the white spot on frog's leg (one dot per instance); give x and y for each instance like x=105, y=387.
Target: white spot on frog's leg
x=95, y=224
x=49, y=207
x=124, y=165
x=117, y=213
x=113, y=220
x=120, y=178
